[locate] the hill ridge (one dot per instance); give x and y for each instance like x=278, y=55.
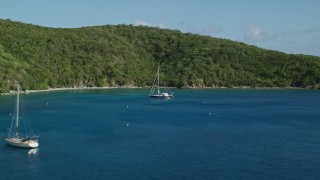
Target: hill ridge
x=126, y=55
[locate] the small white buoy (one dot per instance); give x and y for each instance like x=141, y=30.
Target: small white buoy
x=204, y=102
x=127, y=106
x=209, y=113
x=10, y=114
x=47, y=103
x=128, y=124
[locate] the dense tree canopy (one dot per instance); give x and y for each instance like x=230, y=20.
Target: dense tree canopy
x=124, y=55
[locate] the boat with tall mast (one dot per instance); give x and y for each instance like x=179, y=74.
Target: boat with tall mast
x=17, y=137
x=155, y=90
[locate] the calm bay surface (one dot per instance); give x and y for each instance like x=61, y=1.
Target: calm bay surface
x=200, y=134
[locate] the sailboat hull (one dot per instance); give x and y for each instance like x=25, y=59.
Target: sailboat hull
x=161, y=96
x=17, y=142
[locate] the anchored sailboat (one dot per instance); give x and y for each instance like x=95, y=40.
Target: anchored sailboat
x=15, y=136
x=156, y=87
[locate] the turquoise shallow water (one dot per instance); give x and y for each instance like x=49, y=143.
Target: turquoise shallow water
x=200, y=134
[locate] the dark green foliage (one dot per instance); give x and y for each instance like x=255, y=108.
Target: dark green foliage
x=124, y=55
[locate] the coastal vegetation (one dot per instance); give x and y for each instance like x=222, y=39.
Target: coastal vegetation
x=125, y=55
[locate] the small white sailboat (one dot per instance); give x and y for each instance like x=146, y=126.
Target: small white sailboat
x=156, y=87
x=15, y=136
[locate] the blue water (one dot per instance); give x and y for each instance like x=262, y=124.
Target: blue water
x=200, y=134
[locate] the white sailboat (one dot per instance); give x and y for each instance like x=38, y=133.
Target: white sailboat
x=16, y=137
x=155, y=90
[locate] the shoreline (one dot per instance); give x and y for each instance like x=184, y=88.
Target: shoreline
x=132, y=87
x=65, y=89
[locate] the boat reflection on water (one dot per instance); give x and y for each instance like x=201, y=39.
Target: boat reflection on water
x=33, y=164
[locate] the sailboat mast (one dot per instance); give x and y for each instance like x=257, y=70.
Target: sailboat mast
x=158, y=79
x=17, y=113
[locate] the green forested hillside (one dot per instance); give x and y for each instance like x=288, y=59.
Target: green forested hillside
x=40, y=57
